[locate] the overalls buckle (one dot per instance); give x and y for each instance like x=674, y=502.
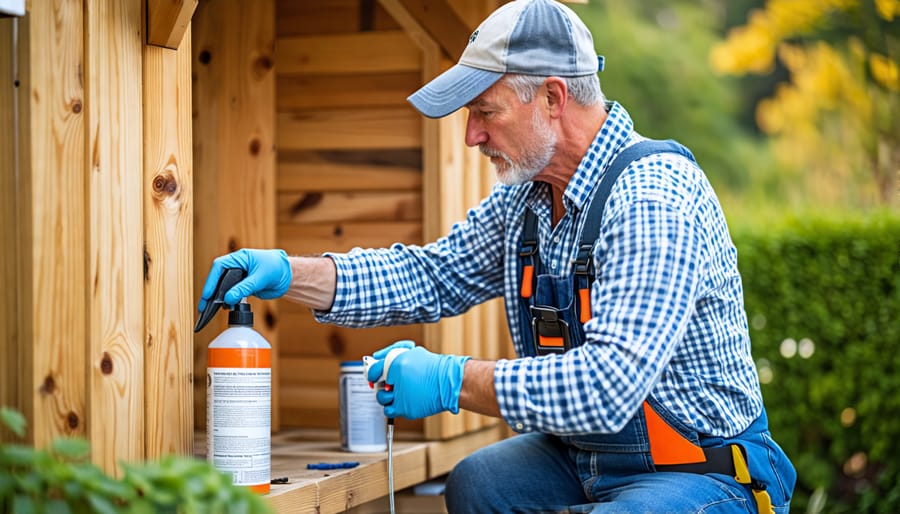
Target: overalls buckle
x=550, y=331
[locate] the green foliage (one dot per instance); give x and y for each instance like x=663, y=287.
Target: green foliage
x=823, y=301
x=657, y=68
x=62, y=480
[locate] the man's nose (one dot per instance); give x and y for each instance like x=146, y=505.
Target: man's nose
x=475, y=134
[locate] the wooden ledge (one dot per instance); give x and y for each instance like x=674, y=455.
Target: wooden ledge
x=333, y=491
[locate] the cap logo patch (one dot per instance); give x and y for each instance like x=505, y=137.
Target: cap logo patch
x=473, y=36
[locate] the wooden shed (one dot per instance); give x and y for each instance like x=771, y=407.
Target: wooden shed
x=139, y=139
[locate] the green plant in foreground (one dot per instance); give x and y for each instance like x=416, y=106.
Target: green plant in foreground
x=61, y=480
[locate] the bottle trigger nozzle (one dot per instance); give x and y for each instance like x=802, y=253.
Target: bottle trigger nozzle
x=229, y=278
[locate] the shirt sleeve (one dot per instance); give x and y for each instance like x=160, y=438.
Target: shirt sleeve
x=649, y=259
x=419, y=284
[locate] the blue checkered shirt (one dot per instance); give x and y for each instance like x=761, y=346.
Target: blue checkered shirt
x=668, y=313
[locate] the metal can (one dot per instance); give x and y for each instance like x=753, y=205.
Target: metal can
x=363, y=425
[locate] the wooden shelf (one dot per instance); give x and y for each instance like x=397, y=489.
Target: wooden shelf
x=333, y=491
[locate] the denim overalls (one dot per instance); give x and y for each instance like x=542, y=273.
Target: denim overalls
x=552, y=311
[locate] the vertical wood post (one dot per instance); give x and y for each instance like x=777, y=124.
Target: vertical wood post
x=113, y=99
x=168, y=255
x=51, y=212
x=9, y=354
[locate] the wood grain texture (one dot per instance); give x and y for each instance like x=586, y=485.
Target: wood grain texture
x=350, y=53
x=441, y=23
x=9, y=310
x=52, y=219
x=168, y=20
x=316, y=207
x=234, y=154
x=303, y=336
x=306, y=17
x=297, y=92
x=341, y=129
x=334, y=491
x=317, y=238
x=395, y=170
x=168, y=228
x=113, y=99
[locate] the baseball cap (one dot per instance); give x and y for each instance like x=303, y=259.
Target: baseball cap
x=530, y=37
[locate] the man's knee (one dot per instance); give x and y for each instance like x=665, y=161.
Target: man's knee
x=462, y=487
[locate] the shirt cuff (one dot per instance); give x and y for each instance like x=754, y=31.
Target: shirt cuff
x=344, y=272
x=510, y=397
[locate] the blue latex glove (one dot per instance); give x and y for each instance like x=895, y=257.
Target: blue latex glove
x=424, y=383
x=268, y=275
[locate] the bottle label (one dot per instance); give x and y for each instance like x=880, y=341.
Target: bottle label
x=239, y=413
x=363, y=425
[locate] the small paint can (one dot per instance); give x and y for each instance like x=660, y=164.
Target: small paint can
x=363, y=425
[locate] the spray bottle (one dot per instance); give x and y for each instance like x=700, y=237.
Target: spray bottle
x=238, y=392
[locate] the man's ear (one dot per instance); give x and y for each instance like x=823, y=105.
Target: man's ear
x=556, y=95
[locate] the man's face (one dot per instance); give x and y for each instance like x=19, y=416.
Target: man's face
x=517, y=137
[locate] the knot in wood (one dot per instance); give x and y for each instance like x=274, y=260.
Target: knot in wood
x=49, y=385
x=106, y=364
x=72, y=420
x=165, y=184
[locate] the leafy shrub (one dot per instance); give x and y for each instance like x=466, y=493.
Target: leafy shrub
x=62, y=480
x=823, y=301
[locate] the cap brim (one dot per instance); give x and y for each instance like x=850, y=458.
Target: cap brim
x=452, y=90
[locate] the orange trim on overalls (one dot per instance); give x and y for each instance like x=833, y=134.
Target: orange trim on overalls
x=527, y=277
x=555, y=342
x=667, y=446
x=584, y=300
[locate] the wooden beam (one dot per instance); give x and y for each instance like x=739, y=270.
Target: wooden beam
x=51, y=260
x=441, y=22
x=113, y=100
x=168, y=264
x=168, y=20
x=9, y=309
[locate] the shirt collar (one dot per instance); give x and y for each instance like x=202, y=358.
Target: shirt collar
x=609, y=140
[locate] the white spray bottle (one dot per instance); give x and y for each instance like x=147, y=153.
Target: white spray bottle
x=238, y=393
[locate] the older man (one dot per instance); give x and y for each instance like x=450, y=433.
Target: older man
x=634, y=386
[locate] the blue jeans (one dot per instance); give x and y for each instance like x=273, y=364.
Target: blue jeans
x=539, y=473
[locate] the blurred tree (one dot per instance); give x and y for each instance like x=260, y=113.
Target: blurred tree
x=657, y=67
x=836, y=122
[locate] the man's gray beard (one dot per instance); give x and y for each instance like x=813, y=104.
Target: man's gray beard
x=532, y=162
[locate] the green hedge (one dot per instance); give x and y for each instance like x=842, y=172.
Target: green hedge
x=823, y=302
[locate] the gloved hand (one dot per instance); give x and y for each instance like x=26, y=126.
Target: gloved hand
x=424, y=383
x=268, y=275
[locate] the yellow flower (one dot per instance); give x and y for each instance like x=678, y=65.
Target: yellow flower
x=885, y=71
x=887, y=9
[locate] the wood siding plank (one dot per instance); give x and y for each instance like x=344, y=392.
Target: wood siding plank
x=299, y=92
x=113, y=51
x=168, y=227
x=52, y=217
x=350, y=171
x=352, y=53
x=342, y=129
x=305, y=17
x=317, y=207
x=316, y=238
x=9, y=310
x=303, y=336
